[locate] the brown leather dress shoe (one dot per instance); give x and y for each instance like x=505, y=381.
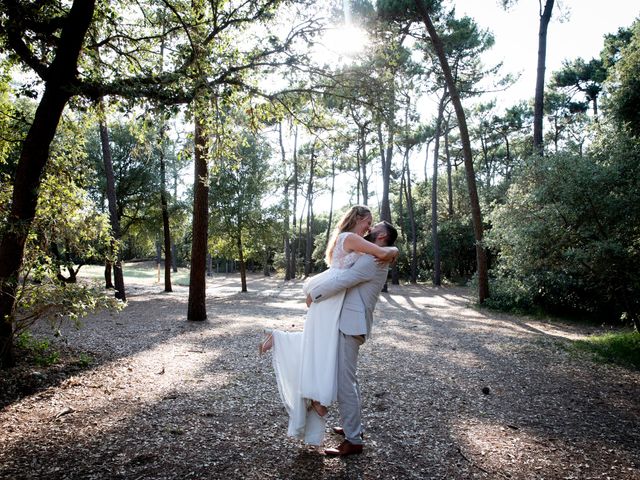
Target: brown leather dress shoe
x=344, y=449
x=340, y=431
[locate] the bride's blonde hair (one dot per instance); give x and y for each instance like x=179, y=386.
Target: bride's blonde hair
x=346, y=224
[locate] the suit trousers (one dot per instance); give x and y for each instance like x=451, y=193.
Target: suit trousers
x=349, y=402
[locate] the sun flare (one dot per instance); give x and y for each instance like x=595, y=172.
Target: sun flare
x=346, y=40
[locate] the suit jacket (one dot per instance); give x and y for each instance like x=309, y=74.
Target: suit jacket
x=363, y=281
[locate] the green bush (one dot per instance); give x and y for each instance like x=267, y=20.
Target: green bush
x=40, y=350
x=510, y=295
x=570, y=231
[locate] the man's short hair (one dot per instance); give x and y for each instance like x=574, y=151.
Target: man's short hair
x=392, y=233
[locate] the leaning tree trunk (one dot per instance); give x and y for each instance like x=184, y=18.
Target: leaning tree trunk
x=538, y=107
x=197, y=309
x=31, y=165
x=113, y=202
x=476, y=215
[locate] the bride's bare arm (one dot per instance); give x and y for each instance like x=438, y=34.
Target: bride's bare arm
x=357, y=243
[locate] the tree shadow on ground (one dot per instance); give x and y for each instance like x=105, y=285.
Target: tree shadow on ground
x=173, y=399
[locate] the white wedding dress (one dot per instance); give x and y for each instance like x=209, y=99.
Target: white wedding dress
x=305, y=363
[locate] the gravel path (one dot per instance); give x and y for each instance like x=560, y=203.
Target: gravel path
x=449, y=392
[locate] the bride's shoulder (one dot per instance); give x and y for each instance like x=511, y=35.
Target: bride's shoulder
x=342, y=237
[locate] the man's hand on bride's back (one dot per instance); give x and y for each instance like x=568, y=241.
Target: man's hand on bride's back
x=309, y=300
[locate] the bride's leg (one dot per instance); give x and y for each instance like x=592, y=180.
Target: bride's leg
x=266, y=344
x=319, y=408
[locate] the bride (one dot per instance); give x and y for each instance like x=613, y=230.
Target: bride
x=305, y=363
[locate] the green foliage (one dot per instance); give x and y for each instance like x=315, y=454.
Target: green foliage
x=239, y=182
x=510, y=294
x=569, y=232
x=619, y=348
x=403, y=9
x=40, y=350
x=624, y=82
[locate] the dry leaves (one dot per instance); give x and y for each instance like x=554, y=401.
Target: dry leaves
x=448, y=392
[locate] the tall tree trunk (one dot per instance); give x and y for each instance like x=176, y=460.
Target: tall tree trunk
x=108, y=265
x=476, y=215
x=538, y=107
x=31, y=165
x=166, y=229
x=287, y=213
x=294, y=211
x=447, y=153
x=309, y=242
x=412, y=221
x=164, y=194
x=437, y=273
x=386, y=154
x=112, y=202
x=364, y=176
x=174, y=257
x=333, y=189
x=197, y=309
x=243, y=266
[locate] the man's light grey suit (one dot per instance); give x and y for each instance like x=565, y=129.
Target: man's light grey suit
x=363, y=281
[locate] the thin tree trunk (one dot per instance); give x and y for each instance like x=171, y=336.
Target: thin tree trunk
x=386, y=153
x=31, y=165
x=197, y=309
x=412, y=221
x=364, y=178
x=112, y=201
x=294, y=243
x=166, y=228
x=287, y=213
x=447, y=152
x=437, y=274
x=333, y=189
x=243, y=266
x=174, y=256
x=309, y=242
x=476, y=215
x=538, y=107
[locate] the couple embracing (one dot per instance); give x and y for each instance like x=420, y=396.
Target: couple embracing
x=317, y=366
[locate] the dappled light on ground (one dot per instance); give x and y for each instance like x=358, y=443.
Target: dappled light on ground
x=449, y=391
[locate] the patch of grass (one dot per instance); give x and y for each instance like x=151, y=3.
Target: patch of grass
x=84, y=360
x=620, y=348
x=40, y=350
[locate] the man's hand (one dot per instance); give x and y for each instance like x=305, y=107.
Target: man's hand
x=309, y=300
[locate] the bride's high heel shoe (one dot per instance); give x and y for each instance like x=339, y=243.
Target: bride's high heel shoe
x=266, y=344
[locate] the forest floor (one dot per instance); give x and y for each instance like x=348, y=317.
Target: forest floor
x=450, y=391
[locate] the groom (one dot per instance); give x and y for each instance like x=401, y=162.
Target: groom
x=363, y=281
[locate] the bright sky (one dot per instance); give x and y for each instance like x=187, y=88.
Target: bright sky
x=581, y=34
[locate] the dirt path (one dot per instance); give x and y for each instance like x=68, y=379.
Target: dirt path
x=165, y=398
